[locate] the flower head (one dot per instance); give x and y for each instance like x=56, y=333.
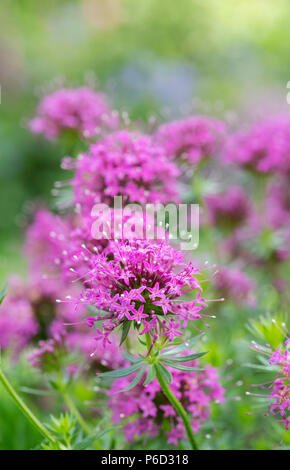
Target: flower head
x=191, y=139
x=127, y=164
x=82, y=110
x=229, y=208
x=264, y=148
x=277, y=390
x=142, y=282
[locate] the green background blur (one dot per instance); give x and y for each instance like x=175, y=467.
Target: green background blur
x=223, y=57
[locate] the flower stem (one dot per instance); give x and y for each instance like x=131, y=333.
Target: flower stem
x=72, y=407
x=25, y=410
x=178, y=408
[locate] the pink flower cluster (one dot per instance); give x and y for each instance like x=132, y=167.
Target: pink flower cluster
x=142, y=282
x=82, y=110
x=264, y=148
x=278, y=392
x=191, y=139
x=127, y=164
x=280, y=395
x=234, y=285
x=151, y=409
x=229, y=208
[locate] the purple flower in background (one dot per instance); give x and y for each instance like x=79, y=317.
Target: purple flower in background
x=192, y=138
x=264, y=148
x=82, y=110
x=229, y=208
x=196, y=391
x=278, y=390
x=278, y=204
x=235, y=286
x=127, y=164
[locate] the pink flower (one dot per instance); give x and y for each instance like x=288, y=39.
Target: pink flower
x=127, y=164
x=278, y=390
x=82, y=110
x=122, y=285
x=235, y=286
x=192, y=139
x=264, y=148
x=229, y=208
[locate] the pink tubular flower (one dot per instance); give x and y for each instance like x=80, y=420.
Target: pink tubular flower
x=235, y=286
x=142, y=282
x=228, y=209
x=278, y=390
x=192, y=139
x=264, y=148
x=149, y=406
x=82, y=110
x=127, y=164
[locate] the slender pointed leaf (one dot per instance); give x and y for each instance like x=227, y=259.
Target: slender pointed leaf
x=116, y=374
x=2, y=294
x=85, y=443
x=182, y=347
x=131, y=358
x=165, y=373
x=188, y=358
x=135, y=381
x=180, y=366
x=151, y=374
x=125, y=330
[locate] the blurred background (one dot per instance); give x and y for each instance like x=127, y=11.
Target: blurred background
x=152, y=57
x=162, y=58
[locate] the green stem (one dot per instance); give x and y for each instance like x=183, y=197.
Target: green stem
x=178, y=408
x=172, y=398
x=71, y=405
x=25, y=410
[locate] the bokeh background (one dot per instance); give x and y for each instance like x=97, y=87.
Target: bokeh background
x=162, y=58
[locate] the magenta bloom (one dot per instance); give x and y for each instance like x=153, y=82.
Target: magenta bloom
x=30, y=312
x=235, y=286
x=278, y=390
x=228, y=209
x=82, y=110
x=127, y=164
x=191, y=139
x=142, y=282
x=195, y=390
x=264, y=148
x=17, y=323
x=278, y=204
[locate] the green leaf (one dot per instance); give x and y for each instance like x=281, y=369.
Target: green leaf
x=85, y=443
x=135, y=381
x=2, y=294
x=180, y=366
x=151, y=374
x=188, y=358
x=182, y=347
x=165, y=373
x=97, y=311
x=116, y=374
x=125, y=330
x=131, y=358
